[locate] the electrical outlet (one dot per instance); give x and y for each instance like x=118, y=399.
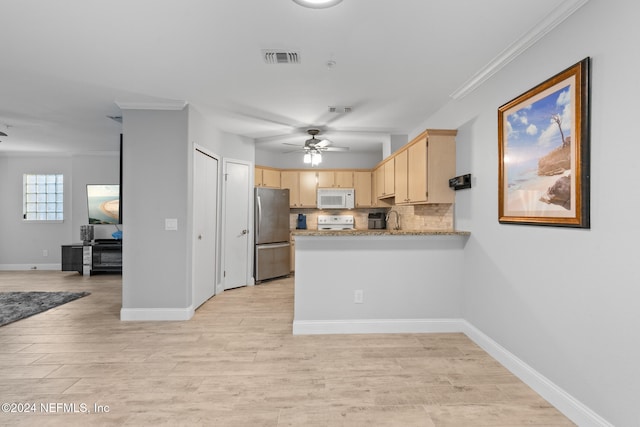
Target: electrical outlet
x=45, y=252
x=358, y=296
x=170, y=224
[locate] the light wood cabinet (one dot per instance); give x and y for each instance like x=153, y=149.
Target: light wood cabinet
x=291, y=180
x=344, y=179
x=441, y=166
x=302, y=188
x=417, y=172
x=401, y=177
x=423, y=169
x=266, y=177
x=292, y=257
x=308, y=189
x=411, y=174
x=337, y=179
x=362, y=187
x=389, y=178
x=378, y=178
x=385, y=179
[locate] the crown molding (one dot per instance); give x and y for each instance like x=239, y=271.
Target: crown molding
x=160, y=105
x=552, y=20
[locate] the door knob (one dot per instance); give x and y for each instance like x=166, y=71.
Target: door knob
x=199, y=236
x=245, y=231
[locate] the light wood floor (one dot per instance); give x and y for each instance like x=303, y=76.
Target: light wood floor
x=236, y=363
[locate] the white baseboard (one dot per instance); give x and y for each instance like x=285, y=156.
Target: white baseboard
x=376, y=326
x=20, y=267
x=156, y=314
x=563, y=401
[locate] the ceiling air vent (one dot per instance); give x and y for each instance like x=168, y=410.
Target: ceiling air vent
x=281, y=57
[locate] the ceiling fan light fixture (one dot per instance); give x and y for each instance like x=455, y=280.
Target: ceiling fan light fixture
x=317, y=4
x=312, y=157
x=316, y=159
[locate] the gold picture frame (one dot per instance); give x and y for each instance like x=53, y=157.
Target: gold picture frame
x=543, y=145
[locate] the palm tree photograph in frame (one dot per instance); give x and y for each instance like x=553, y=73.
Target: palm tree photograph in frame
x=539, y=154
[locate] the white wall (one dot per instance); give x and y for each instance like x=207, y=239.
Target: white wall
x=158, y=184
x=22, y=243
x=204, y=132
x=156, y=156
x=409, y=281
x=565, y=301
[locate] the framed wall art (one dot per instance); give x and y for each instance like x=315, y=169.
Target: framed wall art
x=543, y=138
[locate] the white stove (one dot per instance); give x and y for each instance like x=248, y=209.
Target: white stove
x=336, y=222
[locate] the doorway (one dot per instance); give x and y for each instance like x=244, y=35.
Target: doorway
x=238, y=202
x=205, y=226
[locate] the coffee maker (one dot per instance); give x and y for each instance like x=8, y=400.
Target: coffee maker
x=302, y=222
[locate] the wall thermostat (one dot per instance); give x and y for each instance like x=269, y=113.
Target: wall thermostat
x=460, y=182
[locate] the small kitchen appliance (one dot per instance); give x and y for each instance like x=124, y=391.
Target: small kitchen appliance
x=336, y=198
x=302, y=222
x=377, y=221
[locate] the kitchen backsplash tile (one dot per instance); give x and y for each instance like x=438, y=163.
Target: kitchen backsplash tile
x=426, y=217
x=418, y=217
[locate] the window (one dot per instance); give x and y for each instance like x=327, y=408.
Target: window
x=43, y=197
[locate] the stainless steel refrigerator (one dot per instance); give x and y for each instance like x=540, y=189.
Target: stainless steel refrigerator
x=272, y=250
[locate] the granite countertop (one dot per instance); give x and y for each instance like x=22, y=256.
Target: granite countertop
x=382, y=232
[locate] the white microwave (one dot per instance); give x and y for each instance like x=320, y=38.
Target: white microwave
x=336, y=198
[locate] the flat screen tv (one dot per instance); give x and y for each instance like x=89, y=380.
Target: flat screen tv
x=104, y=203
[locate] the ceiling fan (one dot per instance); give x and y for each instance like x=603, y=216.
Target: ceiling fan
x=317, y=145
x=314, y=147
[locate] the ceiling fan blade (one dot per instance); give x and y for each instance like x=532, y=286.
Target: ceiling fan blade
x=288, y=143
x=334, y=148
x=323, y=143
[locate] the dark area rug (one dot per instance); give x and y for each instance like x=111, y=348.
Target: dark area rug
x=18, y=305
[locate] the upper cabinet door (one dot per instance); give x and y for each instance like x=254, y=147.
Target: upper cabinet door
x=271, y=178
x=344, y=179
x=417, y=172
x=362, y=188
x=290, y=180
x=326, y=179
x=337, y=179
x=308, y=188
x=401, y=178
x=389, y=178
x=264, y=177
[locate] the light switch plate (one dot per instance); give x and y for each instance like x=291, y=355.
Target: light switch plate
x=171, y=224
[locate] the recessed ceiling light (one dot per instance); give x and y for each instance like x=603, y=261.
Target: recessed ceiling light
x=317, y=4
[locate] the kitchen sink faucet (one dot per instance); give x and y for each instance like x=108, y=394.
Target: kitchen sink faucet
x=397, y=226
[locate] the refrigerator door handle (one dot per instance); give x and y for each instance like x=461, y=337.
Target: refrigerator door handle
x=259, y=218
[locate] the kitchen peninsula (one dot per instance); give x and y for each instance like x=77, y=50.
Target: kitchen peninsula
x=364, y=281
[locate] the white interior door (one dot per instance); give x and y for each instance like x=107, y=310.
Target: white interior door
x=238, y=194
x=205, y=220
